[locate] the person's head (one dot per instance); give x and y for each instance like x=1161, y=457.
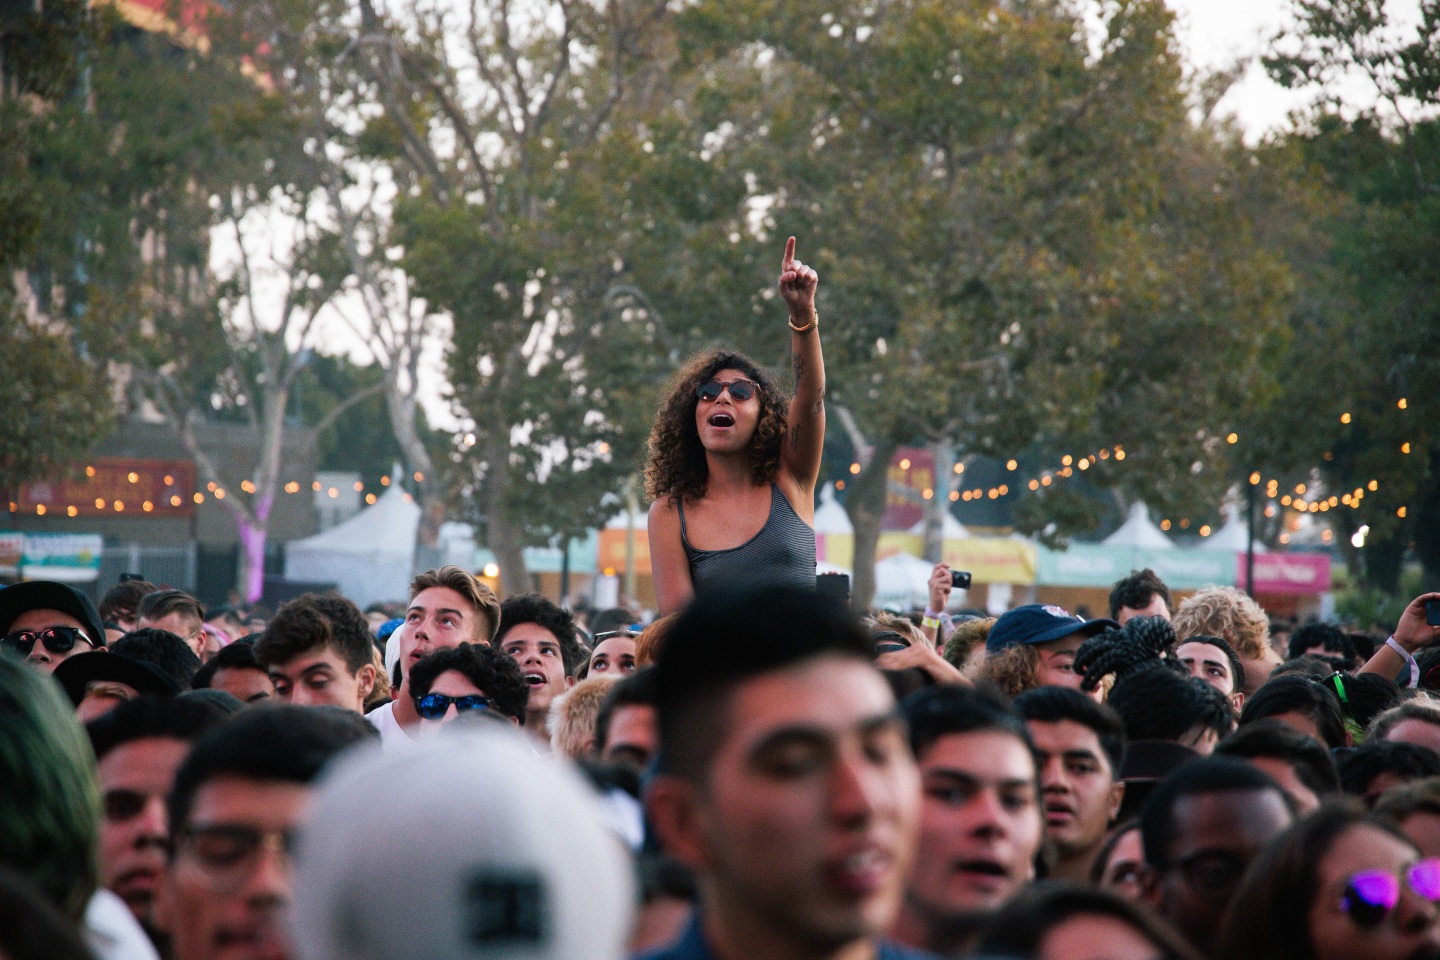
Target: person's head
x=49, y=803
x=571, y=723
x=238, y=671
x=167, y=652
x=1052, y=634
x=484, y=851
x=1079, y=745
x=1415, y=809
x=1300, y=764
x=238, y=798
x=1201, y=827
x=1056, y=921
x=1142, y=594
x=613, y=654
x=1299, y=703
x=981, y=824
x=228, y=620
x=784, y=780
x=98, y=682
x=1362, y=698
x=1371, y=769
x=687, y=426
x=540, y=636
x=625, y=730
x=1340, y=884
x=1227, y=613
x=121, y=603
x=1159, y=702
x=138, y=747
x=1317, y=668
x=46, y=622
x=1323, y=639
x=1414, y=721
x=448, y=606
x=1214, y=661
x=1118, y=864
x=446, y=684
x=966, y=643
x=318, y=652
x=177, y=612
x=647, y=645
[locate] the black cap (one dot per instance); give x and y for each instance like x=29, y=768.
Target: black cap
x=50, y=595
x=76, y=673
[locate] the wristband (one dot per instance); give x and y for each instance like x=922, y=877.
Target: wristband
x=814, y=322
x=1409, y=658
x=929, y=621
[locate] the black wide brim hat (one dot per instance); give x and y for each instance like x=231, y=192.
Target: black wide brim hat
x=76, y=674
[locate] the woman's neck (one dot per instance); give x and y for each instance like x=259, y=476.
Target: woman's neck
x=728, y=472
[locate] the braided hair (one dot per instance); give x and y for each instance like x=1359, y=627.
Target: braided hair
x=1142, y=640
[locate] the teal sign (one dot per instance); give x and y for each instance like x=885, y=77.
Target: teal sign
x=1094, y=565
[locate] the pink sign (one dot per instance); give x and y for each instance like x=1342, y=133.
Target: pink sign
x=1286, y=572
x=911, y=474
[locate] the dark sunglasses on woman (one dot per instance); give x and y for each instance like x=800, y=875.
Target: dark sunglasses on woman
x=1370, y=895
x=54, y=639
x=432, y=706
x=740, y=390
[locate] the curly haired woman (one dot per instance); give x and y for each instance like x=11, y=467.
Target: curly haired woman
x=731, y=473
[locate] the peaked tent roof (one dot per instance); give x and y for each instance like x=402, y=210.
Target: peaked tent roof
x=1139, y=531
x=388, y=526
x=830, y=517
x=1233, y=535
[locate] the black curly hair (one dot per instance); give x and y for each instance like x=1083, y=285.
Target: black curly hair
x=1141, y=641
x=675, y=465
x=1159, y=701
x=533, y=608
x=489, y=669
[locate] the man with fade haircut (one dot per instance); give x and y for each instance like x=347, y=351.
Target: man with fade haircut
x=1212, y=660
x=138, y=747
x=448, y=607
x=1142, y=594
x=784, y=779
x=980, y=823
x=239, y=798
x=47, y=622
x=625, y=730
x=178, y=612
x=1079, y=745
x=319, y=652
x=541, y=637
x=1200, y=829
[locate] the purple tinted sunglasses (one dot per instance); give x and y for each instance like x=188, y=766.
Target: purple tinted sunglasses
x=1370, y=895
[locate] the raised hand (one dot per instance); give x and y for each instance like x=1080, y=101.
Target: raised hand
x=797, y=285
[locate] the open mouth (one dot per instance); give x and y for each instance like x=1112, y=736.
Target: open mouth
x=719, y=419
x=535, y=679
x=983, y=868
x=1058, y=811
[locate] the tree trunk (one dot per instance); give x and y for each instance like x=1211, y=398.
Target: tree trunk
x=250, y=575
x=505, y=538
x=403, y=410
x=939, y=503
x=865, y=505
x=1384, y=559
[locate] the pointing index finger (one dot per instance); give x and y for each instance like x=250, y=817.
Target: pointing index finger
x=789, y=254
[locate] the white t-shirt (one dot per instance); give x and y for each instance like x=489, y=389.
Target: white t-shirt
x=112, y=931
x=392, y=735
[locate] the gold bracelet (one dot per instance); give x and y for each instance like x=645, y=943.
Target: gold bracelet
x=814, y=322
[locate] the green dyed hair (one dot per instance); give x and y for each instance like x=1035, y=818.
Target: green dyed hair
x=49, y=797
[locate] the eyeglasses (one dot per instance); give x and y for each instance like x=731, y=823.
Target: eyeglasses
x=1211, y=873
x=740, y=390
x=433, y=706
x=601, y=637
x=54, y=639
x=226, y=855
x=1370, y=895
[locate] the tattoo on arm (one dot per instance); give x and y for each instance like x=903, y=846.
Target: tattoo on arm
x=797, y=363
x=795, y=431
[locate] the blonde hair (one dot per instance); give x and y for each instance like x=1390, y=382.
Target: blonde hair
x=571, y=721
x=1228, y=613
x=885, y=620
x=967, y=636
x=382, y=690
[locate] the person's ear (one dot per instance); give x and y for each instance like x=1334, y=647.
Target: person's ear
x=1150, y=890
x=674, y=807
x=569, y=682
x=1117, y=797
x=1237, y=701
x=366, y=676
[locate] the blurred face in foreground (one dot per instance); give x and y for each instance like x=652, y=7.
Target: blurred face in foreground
x=135, y=778
x=804, y=825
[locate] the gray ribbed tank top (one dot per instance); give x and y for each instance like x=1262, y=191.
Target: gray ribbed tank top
x=782, y=552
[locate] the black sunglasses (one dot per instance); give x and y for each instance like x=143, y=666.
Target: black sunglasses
x=432, y=706
x=54, y=639
x=740, y=390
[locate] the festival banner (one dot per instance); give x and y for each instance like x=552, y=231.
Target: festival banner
x=67, y=557
x=1287, y=573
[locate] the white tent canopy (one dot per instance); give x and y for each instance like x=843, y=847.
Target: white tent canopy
x=952, y=529
x=902, y=580
x=370, y=557
x=1139, y=531
x=1233, y=535
x=830, y=517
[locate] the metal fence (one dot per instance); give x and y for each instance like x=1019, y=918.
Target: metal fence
x=167, y=566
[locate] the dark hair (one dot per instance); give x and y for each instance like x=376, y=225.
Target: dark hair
x=280, y=743
x=32, y=927
x=162, y=603
x=1362, y=697
x=675, y=464
x=1269, y=916
x=1107, y=849
x=533, y=608
x=124, y=598
x=1237, y=669
x=637, y=690
x=1137, y=590
x=163, y=649
x=1421, y=709
x=1286, y=694
x=1329, y=638
x=489, y=669
x=232, y=656
x=1159, y=702
x=726, y=637
x=49, y=800
x=1312, y=763
x=150, y=717
x=1193, y=778
x=611, y=618
x=316, y=620
x=1053, y=704
x=1418, y=796
x=1310, y=665
x=939, y=711
x=1360, y=767
x=1020, y=926
x=1120, y=650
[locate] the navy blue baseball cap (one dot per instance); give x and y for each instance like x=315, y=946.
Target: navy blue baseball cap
x=1039, y=623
